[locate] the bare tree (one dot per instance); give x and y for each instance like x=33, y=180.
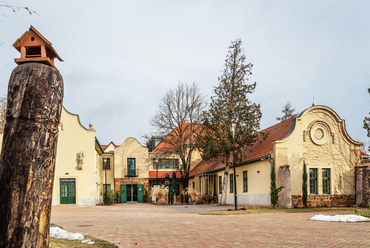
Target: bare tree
x=177, y=122
x=288, y=112
x=16, y=8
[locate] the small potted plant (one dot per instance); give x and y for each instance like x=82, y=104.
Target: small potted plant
x=145, y=195
x=118, y=196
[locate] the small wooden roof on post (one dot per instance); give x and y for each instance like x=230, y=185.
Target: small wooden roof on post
x=35, y=48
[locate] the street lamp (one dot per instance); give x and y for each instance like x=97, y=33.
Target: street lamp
x=232, y=129
x=156, y=166
x=105, y=180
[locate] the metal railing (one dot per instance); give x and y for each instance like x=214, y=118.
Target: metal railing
x=132, y=173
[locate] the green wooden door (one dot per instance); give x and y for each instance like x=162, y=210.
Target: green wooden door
x=67, y=191
x=123, y=190
x=140, y=191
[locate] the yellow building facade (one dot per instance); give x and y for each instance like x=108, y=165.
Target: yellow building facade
x=317, y=137
x=131, y=170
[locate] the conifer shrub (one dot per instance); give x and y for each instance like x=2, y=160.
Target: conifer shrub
x=274, y=191
x=108, y=197
x=304, y=185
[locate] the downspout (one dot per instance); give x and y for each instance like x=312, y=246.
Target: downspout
x=114, y=180
x=269, y=157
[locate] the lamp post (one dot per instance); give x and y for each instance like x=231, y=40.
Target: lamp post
x=105, y=180
x=156, y=166
x=232, y=128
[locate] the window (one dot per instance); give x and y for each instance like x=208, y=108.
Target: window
x=220, y=184
x=165, y=163
x=245, y=181
x=131, y=167
x=231, y=183
x=313, y=181
x=193, y=185
x=326, y=181
x=106, y=186
x=106, y=163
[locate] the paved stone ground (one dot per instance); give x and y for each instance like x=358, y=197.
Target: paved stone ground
x=145, y=225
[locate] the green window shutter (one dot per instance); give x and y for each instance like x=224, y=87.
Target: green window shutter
x=326, y=181
x=220, y=184
x=245, y=181
x=105, y=187
x=131, y=167
x=313, y=181
x=231, y=183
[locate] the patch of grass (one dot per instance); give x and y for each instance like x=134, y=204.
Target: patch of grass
x=64, y=243
x=267, y=210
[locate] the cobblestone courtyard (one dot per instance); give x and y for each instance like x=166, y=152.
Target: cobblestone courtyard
x=145, y=225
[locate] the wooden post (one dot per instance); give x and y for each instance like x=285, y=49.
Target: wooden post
x=35, y=95
x=23, y=52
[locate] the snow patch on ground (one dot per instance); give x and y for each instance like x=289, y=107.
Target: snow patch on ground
x=58, y=233
x=340, y=218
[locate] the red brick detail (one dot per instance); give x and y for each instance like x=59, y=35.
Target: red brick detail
x=324, y=201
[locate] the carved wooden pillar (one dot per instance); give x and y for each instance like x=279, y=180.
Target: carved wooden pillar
x=27, y=162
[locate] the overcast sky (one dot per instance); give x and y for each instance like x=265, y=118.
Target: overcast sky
x=121, y=57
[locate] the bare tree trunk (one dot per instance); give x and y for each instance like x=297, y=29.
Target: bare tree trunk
x=224, y=185
x=27, y=162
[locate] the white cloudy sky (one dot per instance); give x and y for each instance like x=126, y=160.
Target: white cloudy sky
x=121, y=57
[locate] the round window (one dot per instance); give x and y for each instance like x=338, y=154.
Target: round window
x=319, y=133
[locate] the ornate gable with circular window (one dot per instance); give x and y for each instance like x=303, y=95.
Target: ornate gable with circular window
x=319, y=133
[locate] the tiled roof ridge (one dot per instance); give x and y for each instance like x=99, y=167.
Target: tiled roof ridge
x=278, y=131
x=161, y=145
x=364, y=154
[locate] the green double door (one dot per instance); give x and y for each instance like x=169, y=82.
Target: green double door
x=67, y=191
x=131, y=193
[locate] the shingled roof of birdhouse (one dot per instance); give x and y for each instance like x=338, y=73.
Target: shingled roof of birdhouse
x=34, y=47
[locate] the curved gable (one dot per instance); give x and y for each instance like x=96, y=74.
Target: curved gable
x=71, y=115
x=316, y=116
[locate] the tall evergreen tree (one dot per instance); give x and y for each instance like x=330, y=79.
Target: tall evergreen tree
x=304, y=185
x=288, y=112
x=274, y=191
x=230, y=104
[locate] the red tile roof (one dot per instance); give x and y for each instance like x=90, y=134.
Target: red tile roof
x=364, y=154
x=162, y=174
x=104, y=147
x=167, y=144
x=276, y=132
